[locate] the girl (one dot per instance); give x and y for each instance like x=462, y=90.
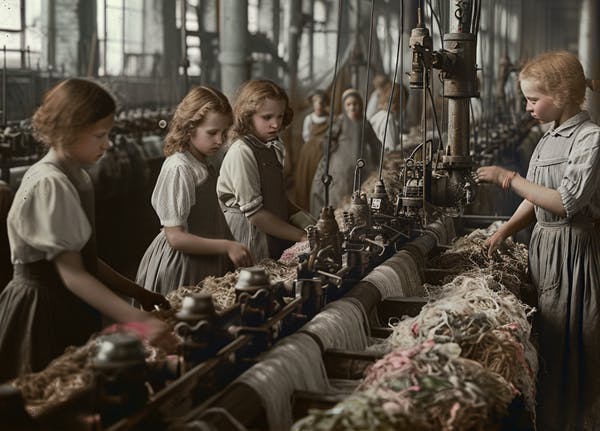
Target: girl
x=313, y=131
x=195, y=241
x=59, y=287
x=251, y=186
x=344, y=153
x=562, y=193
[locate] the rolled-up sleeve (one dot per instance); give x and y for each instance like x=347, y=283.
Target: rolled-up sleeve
x=239, y=180
x=581, y=179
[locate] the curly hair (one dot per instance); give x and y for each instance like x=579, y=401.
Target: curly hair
x=69, y=108
x=558, y=74
x=190, y=113
x=250, y=96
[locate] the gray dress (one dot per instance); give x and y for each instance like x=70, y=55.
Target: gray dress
x=163, y=268
x=564, y=258
x=345, y=150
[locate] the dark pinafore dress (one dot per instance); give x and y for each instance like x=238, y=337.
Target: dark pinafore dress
x=272, y=187
x=39, y=316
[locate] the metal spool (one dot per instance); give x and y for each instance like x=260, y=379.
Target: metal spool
x=119, y=376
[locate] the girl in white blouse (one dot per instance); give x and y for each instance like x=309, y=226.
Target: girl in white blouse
x=195, y=241
x=251, y=186
x=60, y=287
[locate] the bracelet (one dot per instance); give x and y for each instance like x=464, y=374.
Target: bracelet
x=508, y=180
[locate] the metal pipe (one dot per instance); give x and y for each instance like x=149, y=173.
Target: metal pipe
x=294, y=35
x=51, y=61
x=184, y=55
x=311, y=42
x=23, y=42
x=589, y=36
x=233, y=44
x=458, y=127
x=4, y=85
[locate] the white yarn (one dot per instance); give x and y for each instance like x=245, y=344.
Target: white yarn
x=342, y=324
x=295, y=363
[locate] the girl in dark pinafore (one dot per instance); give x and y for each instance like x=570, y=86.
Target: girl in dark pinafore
x=562, y=195
x=60, y=287
x=195, y=241
x=251, y=186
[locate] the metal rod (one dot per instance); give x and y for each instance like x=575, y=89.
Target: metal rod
x=23, y=42
x=326, y=178
x=357, y=178
x=4, y=86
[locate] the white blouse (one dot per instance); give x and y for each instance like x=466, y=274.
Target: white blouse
x=175, y=192
x=239, y=180
x=309, y=120
x=46, y=217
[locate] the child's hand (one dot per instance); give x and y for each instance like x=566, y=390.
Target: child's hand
x=149, y=300
x=239, y=255
x=491, y=174
x=159, y=335
x=494, y=241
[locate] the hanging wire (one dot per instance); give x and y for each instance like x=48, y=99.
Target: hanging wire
x=360, y=163
x=402, y=110
x=391, y=98
x=435, y=125
x=326, y=178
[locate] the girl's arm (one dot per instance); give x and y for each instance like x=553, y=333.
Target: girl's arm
x=119, y=284
x=269, y=223
x=523, y=217
x=181, y=240
x=87, y=287
x=541, y=196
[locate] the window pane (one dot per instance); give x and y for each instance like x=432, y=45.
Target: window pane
x=134, y=4
x=118, y=4
x=114, y=58
x=10, y=40
x=10, y=18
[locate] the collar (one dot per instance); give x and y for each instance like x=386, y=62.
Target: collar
x=199, y=164
x=276, y=144
x=567, y=128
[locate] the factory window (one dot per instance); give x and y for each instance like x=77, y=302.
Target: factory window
x=20, y=34
x=123, y=39
x=253, y=16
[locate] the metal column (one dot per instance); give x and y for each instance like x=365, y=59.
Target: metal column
x=233, y=37
x=589, y=36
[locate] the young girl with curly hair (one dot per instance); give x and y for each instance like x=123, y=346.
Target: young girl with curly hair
x=195, y=241
x=251, y=187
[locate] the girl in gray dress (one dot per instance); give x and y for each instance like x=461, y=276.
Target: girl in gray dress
x=562, y=195
x=345, y=151
x=195, y=241
x=60, y=287
x=251, y=186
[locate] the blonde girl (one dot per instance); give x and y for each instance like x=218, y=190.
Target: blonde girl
x=561, y=194
x=195, y=241
x=60, y=287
